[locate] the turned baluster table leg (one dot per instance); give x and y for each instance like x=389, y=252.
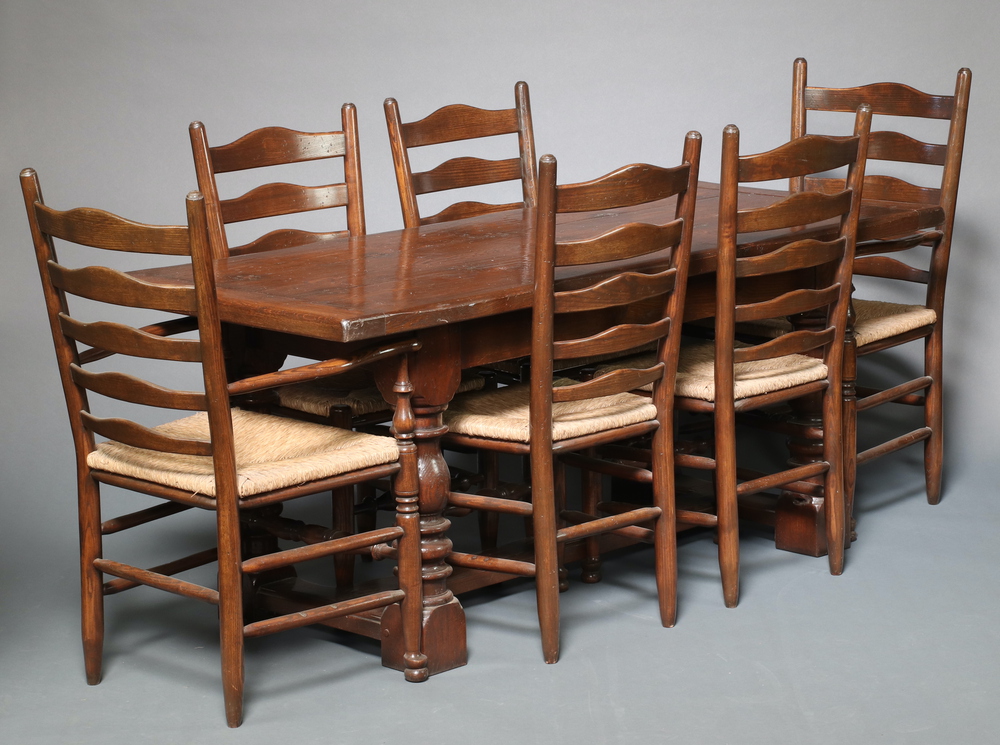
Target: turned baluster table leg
x=435, y=371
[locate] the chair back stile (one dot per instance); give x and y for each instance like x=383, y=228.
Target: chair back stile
x=192, y=461
x=459, y=122
x=56, y=306
x=102, y=230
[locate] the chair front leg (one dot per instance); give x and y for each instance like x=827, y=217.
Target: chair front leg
x=544, y=522
x=934, y=414
x=665, y=527
x=728, y=528
x=343, y=522
x=91, y=578
x=849, y=427
x=231, y=611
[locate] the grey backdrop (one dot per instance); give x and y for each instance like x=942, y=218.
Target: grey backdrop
x=96, y=96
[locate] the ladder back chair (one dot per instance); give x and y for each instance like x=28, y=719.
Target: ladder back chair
x=347, y=400
x=238, y=464
x=878, y=324
x=726, y=377
x=548, y=419
x=722, y=378
x=454, y=123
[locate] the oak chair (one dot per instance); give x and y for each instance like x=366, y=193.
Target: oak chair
x=348, y=400
x=549, y=420
x=352, y=397
x=454, y=123
x=238, y=464
x=882, y=325
x=725, y=377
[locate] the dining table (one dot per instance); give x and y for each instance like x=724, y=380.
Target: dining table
x=464, y=290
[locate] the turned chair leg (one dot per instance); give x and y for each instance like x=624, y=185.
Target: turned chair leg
x=934, y=417
x=489, y=522
x=529, y=526
x=547, y=588
x=367, y=513
x=665, y=528
x=559, y=482
x=231, y=614
x=546, y=569
x=91, y=579
x=728, y=529
x=849, y=432
x=834, y=505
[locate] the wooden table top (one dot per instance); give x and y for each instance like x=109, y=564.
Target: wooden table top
x=354, y=289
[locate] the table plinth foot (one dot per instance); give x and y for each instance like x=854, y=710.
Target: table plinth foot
x=443, y=637
x=800, y=524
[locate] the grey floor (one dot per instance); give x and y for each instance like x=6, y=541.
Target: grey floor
x=900, y=649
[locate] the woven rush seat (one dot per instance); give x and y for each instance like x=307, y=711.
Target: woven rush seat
x=876, y=320
x=271, y=453
x=354, y=390
x=696, y=372
x=502, y=414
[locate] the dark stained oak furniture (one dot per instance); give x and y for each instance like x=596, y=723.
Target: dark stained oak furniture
x=470, y=129
x=267, y=148
x=462, y=123
x=725, y=377
x=803, y=363
x=464, y=289
x=276, y=146
x=237, y=464
x=348, y=400
x=882, y=325
x=549, y=422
